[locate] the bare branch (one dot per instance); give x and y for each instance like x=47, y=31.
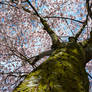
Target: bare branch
x=82, y=28
x=69, y=27
x=27, y=10
x=64, y=18
x=89, y=8
x=89, y=75
x=41, y=55
x=31, y=60
x=33, y=8
x=55, y=39
x=15, y=74
x=6, y=3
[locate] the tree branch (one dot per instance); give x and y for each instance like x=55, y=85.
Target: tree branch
x=41, y=55
x=33, y=9
x=85, y=23
x=87, y=45
x=89, y=75
x=54, y=37
x=89, y=8
x=82, y=28
x=64, y=18
x=33, y=59
x=6, y=3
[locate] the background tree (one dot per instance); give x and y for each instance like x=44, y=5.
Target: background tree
x=25, y=33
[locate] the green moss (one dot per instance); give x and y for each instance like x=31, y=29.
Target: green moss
x=63, y=71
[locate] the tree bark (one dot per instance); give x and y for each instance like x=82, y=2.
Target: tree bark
x=63, y=71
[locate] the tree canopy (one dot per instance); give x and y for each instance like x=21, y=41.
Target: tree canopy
x=31, y=30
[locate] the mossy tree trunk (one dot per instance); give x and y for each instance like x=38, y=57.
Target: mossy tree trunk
x=63, y=71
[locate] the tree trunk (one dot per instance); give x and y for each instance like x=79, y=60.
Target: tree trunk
x=63, y=71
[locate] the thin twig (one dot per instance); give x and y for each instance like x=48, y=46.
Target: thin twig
x=64, y=18
x=82, y=28
x=89, y=75
x=8, y=4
